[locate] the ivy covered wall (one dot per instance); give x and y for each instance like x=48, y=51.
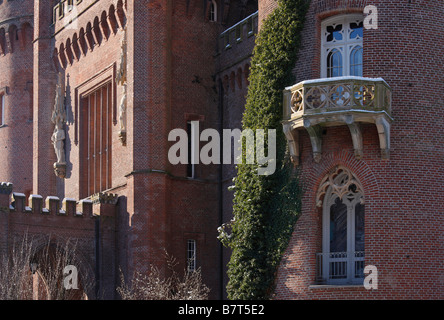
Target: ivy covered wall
x=265, y=207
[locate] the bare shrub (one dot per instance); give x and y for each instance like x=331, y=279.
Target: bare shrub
x=15, y=272
x=153, y=286
x=30, y=272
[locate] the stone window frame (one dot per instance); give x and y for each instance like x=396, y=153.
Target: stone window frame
x=3, y=93
x=189, y=119
x=198, y=240
x=191, y=255
x=213, y=11
x=346, y=46
x=336, y=184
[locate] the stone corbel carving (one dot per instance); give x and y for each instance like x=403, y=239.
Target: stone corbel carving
x=383, y=127
x=356, y=134
x=292, y=136
x=121, y=80
x=58, y=136
x=315, y=133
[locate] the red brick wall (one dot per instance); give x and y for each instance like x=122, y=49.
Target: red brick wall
x=88, y=70
x=71, y=226
x=16, y=35
x=171, y=68
x=265, y=8
x=403, y=215
x=171, y=78
x=44, y=83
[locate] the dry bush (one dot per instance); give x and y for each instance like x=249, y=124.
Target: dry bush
x=15, y=272
x=49, y=260
x=153, y=286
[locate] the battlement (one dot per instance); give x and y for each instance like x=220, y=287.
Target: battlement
x=16, y=202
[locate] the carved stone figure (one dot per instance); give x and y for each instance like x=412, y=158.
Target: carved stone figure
x=58, y=139
x=122, y=117
x=121, y=72
x=58, y=136
x=121, y=79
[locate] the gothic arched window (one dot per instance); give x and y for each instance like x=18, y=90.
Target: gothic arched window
x=342, y=200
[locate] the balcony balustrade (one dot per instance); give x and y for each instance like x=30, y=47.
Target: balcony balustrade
x=351, y=100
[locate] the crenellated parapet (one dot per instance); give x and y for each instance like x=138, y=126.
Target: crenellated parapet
x=35, y=204
x=88, y=223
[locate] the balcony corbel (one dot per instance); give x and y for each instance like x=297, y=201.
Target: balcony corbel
x=383, y=127
x=356, y=134
x=293, y=142
x=315, y=133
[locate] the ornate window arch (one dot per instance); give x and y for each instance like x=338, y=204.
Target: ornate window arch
x=341, y=197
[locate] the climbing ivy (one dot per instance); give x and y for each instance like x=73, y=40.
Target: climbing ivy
x=265, y=207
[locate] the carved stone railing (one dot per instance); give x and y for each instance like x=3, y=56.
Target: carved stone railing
x=314, y=104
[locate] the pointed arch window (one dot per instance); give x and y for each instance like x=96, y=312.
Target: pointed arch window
x=343, y=207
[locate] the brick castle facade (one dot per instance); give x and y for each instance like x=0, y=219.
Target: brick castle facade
x=91, y=89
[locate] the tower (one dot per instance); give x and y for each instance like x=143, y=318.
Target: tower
x=16, y=92
x=363, y=122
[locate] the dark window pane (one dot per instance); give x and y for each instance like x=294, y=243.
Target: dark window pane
x=356, y=30
x=334, y=63
x=190, y=165
x=359, y=227
x=334, y=33
x=338, y=227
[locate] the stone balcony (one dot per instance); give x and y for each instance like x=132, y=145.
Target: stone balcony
x=315, y=104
